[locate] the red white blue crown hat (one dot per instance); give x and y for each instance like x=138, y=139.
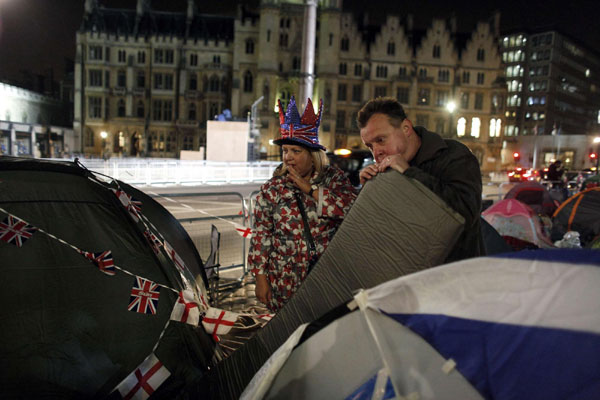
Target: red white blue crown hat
x=303, y=131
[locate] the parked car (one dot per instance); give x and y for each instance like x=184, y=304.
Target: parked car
x=351, y=161
x=520, y=174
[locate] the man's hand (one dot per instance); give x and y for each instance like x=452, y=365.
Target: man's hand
x=367, y=173
x=396, y=162
x=298, y=180
x=262, y=289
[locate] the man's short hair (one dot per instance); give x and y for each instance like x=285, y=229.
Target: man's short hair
x=381, y=105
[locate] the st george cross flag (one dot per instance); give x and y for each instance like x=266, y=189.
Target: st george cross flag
x=243, y=231
x=103, y=260
x=15, y=231
x=218, y=322
x=174, y=256
x=133, y=206
x=144, y=296
x=186, y=309
x=142, y=382
x=153, y=240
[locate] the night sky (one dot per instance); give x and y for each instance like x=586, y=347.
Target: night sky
x=38, y=35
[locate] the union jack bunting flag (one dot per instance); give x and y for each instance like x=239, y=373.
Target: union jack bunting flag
x=144, y=296
x=15, y=231
x=133, y=206
x=174, y=256
x=146, y=378
x=103, y=260
x=186, y=309
x=218, y=322
x=153, y=240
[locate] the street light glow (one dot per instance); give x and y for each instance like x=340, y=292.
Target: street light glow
x=451, y=106
x=597, y=139
x=103, y=134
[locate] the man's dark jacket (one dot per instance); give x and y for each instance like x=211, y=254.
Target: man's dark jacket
x=451, y=171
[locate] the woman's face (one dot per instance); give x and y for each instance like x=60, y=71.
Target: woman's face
x=299, y=158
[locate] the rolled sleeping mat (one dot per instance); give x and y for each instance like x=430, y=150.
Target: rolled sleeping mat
x=396, y=227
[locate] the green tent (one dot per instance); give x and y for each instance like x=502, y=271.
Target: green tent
x=73, y=324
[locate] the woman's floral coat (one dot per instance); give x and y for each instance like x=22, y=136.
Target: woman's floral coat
x=278, y=247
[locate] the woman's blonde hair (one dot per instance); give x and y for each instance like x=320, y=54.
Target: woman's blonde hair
x=319, y=158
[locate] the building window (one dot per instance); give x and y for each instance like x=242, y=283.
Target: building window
x=188, y=142
x=424, y=95
x=380, y=91
x=141, y=57
x=283, y=40
x=95, y=52
x=357, y=93
x=443, y=75
x=162, y=110
x=169, y=56
x=193, y=60
x=402, y=95
x=95, y=78
x=461, y=126
x=345, y=44
x=163, y=81
x=121, y=79
x=296, y=63
x=341, y=92
x=466, y=77
x=106, y=78
x=89, y=138
x=121, y=108
x=268, y=35
x=340, y=119
x=442, y=98
x=217, y=60
x=391, y=48
x=381, y=71
x=357, y=69
x=140, y=111
x=423, y=73
x=478, y=101
x=248, y=82
x=343, y=68
x=437, y=51
x=464, y=100
x=193, y=82
x=480, y=55
x=141, y=79
x=249, y=46
x=213, y=85
x=192, y=112
x=480, y=78
x=495, y=124
x=159, y=57
x=95, y=107
x=475, y=127
x=122, y=56
x=402, y=72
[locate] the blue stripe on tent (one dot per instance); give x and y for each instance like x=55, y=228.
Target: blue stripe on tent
x=571, y=256
x=515, y=362
x=365, y=391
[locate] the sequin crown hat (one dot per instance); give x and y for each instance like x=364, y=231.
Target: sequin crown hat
x=303, y=131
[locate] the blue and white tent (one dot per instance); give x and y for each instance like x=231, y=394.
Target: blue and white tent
x=522, y=325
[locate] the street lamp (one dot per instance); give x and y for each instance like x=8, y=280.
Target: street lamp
x=597, y=143
x=450, y=106
x=103, y=135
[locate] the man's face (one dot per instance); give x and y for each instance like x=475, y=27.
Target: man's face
x=383, y=139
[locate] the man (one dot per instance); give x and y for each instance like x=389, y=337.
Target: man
x=555, y=172
x=446, y=167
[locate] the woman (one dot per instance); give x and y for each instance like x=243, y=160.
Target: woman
x=280, y=253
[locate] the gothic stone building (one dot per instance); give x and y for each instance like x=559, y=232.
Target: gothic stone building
x=150, y=80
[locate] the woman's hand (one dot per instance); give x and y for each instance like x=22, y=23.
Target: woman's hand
x=263, y=289
x=298, y=180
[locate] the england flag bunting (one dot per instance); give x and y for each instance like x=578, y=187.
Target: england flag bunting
x=243, y=231
x=178, y=261
x=144, y=296
x=144, y=381
x=133, y=206
x=103, y=260
x=15, y=231
x=186, y=309
x=218, y=322
x=153, y=240
x=266, y=317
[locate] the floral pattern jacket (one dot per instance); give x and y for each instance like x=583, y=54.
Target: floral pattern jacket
x=278, y=247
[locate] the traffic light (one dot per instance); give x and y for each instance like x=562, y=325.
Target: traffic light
x=516, y=156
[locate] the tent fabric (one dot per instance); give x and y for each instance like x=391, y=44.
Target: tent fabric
x=580, y=213
x=67, y=331
x=520, y=325
x=512, y=218
x=493, y=242
x=395, y=227
x=535, y=195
